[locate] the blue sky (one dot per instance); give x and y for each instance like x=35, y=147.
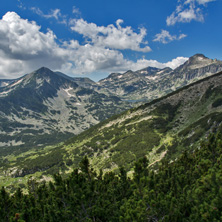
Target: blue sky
x=95, y=38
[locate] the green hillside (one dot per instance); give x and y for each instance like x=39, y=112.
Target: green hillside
x=189, y=189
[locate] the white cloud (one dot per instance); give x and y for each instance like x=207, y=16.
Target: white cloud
x=21, y=5
x=186, y=11
x=88, y=58
x=181, y=36
x=165, y=37
x=141, y=63
x=114, y=37
x=204, y=1
x=176, y=62
x=24, y=48
x=75, y=10
x=54, y=13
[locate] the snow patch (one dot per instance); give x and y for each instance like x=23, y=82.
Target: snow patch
x=160, y=72
x=201, y=58
x=67, y=91
x=5, y=93
x=16, y=83
x=143, y=72
x=10, y=88
x=5, y=84
x=151, y=77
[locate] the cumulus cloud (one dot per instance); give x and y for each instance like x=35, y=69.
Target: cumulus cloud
x=115, y=37
x=186, y=11
x=90, y=58
x=174, y=63
x=141, y=63
x=24, y=48
x=165, y=37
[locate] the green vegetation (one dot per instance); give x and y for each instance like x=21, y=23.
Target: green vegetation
x=147, y=164
x=188, y=189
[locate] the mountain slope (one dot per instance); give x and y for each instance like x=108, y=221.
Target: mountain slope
x=161, y=129
x=44, y=107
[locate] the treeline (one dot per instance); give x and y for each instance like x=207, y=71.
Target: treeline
x=188, y=189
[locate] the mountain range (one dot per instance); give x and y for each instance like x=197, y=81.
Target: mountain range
x=160, y=130
x=46, y=107
x=151, y=83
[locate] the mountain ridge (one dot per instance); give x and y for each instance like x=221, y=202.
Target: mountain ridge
x=148, y=84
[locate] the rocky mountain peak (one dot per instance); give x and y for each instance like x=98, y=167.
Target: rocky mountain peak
x=112, y=75
x=44, y=75
x=148, y=71
x=128, y=71
x=199, y=59
x=198, y=55
x=43, y=72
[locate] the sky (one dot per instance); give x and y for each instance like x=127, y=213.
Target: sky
x=93, y=38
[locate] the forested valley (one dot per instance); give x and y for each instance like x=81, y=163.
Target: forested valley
x=187, y=189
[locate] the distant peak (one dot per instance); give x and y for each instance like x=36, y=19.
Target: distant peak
x=129, y=71
x=197, y=58
x=43, y=70
x=199, y=55
x=150, y=69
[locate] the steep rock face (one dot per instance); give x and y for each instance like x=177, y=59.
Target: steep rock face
x=198, y=66
x=44, y=107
